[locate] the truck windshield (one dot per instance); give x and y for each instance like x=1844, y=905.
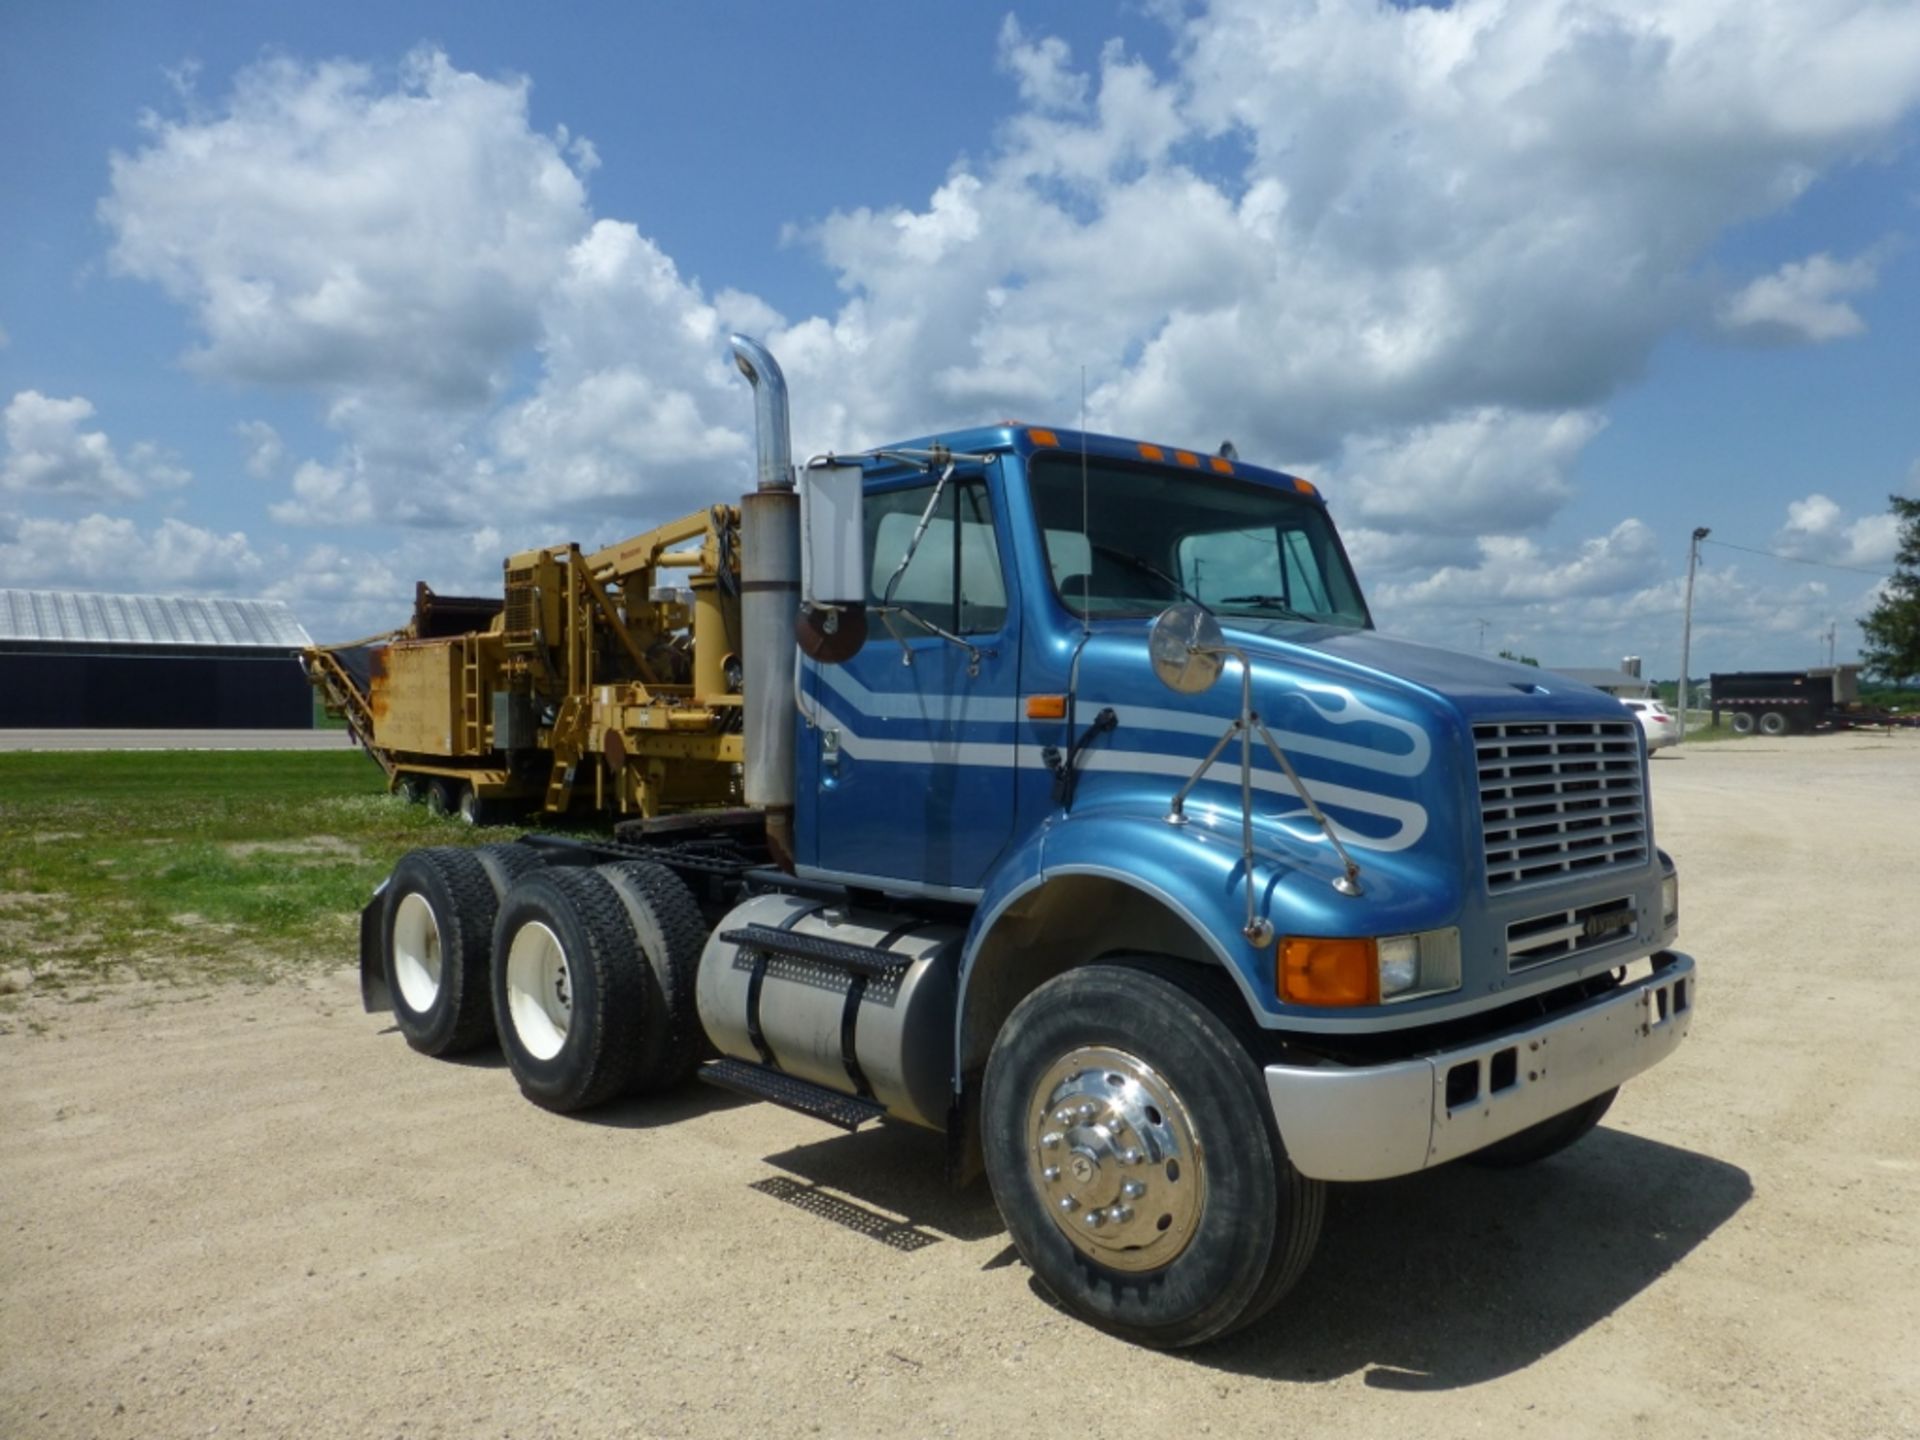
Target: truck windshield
x=1150, y=537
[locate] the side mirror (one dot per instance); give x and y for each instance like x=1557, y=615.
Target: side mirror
x=1186, y=649
x=833, y=561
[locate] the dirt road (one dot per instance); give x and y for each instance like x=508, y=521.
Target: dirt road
x=257, y=1213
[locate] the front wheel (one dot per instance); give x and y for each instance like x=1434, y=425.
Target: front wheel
x=1135, y=1160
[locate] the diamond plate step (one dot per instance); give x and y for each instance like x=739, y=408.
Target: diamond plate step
x=849, y=1112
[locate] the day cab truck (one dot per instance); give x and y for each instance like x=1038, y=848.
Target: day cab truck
x=1055, y=792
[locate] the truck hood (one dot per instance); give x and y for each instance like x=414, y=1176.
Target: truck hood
x=1478, y=686
x=1379, y=729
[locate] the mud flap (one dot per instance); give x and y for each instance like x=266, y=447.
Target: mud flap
x=374, y=995
x=966, y=1162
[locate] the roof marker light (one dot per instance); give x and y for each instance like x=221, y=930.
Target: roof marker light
x=1043, y=437
x=1152, y=452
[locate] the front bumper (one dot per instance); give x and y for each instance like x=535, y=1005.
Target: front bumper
x=1372, y=1122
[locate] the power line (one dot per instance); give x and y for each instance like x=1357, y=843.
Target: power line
x=1798, y=559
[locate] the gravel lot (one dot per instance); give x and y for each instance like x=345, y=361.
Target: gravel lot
x=256, y=1212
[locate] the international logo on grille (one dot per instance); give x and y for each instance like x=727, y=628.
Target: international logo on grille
x=1607, y=923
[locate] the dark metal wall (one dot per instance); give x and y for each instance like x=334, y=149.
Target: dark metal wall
x=149, y=687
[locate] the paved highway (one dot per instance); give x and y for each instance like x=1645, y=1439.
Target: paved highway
x=175, y=740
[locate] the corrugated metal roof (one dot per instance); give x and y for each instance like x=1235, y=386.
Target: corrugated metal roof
x=65, y=616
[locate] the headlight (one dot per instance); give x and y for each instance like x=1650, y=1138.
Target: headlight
x=1367, y=970
x=1399, y=964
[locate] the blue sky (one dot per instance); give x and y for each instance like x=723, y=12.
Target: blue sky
x=314, y=302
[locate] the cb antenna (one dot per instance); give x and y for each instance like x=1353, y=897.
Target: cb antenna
x=1086, y=525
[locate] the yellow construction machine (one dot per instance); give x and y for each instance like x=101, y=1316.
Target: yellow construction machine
x=607, y=681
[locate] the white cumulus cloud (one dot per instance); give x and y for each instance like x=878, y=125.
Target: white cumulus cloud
x=264, y=447
x=1799, y=302
x=112, y=552
x=50, y=451
x=1817, y=528
x=1414, y=251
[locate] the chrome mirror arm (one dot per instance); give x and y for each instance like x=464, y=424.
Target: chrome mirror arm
x=1258, y=929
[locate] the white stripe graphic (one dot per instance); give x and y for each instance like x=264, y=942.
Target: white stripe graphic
x=1410, y=818
x=1347, y=709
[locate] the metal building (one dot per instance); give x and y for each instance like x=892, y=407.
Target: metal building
x=75, y=661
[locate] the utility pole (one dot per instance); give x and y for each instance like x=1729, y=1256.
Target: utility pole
x=1832, y=626
x=1700, y=533
x=1483, y=635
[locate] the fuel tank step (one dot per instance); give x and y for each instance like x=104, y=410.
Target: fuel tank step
x=856, y=959
x=849, y=1112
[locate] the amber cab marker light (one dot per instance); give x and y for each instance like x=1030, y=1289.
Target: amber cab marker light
x=1043, y=437
x=1329, y=972
x=1152, y=452
x=1046, y=707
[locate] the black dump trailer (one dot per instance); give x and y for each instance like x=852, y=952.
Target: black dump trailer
x=1794, y=702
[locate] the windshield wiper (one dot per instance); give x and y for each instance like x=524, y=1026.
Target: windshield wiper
x=1266, y=602
x=1147, y=567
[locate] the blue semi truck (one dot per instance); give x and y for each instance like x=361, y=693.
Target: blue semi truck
x=1070, y=805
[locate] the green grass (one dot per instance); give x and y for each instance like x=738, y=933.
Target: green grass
x=189, y=866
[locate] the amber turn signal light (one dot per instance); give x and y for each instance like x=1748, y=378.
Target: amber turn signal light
x=1329, y=972
x=1046, y=707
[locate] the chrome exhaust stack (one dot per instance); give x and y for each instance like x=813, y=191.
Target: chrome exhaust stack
x=769, y=599
x=772, y=431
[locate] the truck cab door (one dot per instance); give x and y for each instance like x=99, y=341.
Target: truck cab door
x=908, y=749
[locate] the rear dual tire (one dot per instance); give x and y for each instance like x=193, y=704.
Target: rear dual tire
x=593, y=983
x=436, y=937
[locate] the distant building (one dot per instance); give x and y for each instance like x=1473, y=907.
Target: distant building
x=77, y=661
x=1614, y=682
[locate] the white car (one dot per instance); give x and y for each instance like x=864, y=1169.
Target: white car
x=1657, y=721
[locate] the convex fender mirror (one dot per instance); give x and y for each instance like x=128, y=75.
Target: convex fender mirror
x=832, y=624
x=1186, y=648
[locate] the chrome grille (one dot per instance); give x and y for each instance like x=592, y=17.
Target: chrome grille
x=1560, y=797
x=1560, y=933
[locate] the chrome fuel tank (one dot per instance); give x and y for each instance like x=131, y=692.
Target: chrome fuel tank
x=888, y=1035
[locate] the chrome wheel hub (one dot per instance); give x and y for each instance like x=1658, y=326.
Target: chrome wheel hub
x=1112, y=1149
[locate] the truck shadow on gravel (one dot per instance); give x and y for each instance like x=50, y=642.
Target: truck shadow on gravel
x=858, y=1180
x=1463, y=1275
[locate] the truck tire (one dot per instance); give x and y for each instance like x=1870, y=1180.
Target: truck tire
x=1742, y=722
x=443, y=795
x=1128, y=1090
x=570, y=989
x=435, y=934
x=476, y=811
x=1772, y=722
x=1549, y=1137
x=669, y=935
x=410, y=788
x=504, y=864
